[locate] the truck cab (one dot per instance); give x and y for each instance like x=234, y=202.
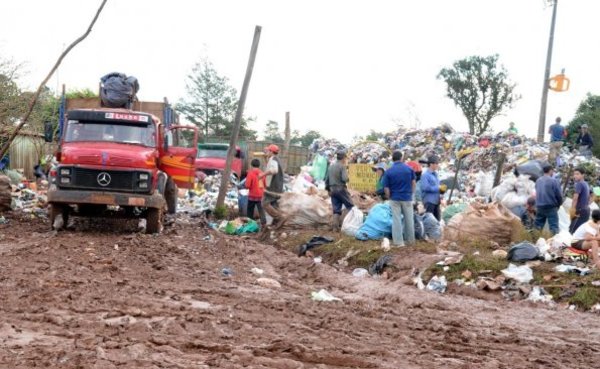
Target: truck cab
x=211, y=158
x=121, y=160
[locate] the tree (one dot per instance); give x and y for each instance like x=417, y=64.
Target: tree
x=211, y=102
x=480, y=88
x=374, y=135
x=272, y=132
x=588, y=113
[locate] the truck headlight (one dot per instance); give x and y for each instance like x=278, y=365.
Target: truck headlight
x=65, y=171
x=65, y=180
x=143, y=184
x=144, y=176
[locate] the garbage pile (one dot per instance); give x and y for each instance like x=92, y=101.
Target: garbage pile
x=16, y=193
x=203, y=198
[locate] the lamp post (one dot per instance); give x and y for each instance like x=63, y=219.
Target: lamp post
x=541, y=125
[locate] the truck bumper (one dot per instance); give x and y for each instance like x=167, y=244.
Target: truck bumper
x=73, y=197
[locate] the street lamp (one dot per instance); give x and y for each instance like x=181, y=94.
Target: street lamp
x=542, y=123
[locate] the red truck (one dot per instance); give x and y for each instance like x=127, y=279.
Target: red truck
x=211, y=159
x=121, y=160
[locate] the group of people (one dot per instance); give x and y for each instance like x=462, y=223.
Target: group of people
x=398, y=184
x=558, y=136
x=544, y=207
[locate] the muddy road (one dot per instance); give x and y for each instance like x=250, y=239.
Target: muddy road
x=104, y=296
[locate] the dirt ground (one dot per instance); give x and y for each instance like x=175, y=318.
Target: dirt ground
x=102, y=295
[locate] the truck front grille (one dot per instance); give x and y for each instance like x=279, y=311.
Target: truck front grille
x=103, y=180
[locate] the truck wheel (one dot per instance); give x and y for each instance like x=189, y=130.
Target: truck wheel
x=171, y=197
x=153, y=220
x=59, y=216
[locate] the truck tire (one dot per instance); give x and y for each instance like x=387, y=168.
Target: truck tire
x=57, y=210
x=171, y=196
x=153, y=220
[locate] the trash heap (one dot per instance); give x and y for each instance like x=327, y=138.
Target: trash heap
x=16, y=193
x=203, y=198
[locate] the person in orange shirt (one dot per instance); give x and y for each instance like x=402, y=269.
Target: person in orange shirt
x=256, y=185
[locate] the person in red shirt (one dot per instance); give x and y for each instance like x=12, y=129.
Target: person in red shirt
x=256, y=185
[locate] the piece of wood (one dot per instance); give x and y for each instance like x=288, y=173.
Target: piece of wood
x=238, y=119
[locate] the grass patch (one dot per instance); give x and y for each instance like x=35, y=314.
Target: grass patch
x=586, y=297
x=483, y=265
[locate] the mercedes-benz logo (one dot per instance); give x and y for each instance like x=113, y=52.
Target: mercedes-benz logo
x=103, y=179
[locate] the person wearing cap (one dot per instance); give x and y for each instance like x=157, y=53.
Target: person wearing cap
x=431, y=189
x=580, y=206
x=399, y=186
x=547, y=200
x=274, y=179
x=379, y=170
x=337, y=178
x=585, y=141
x=557, y=136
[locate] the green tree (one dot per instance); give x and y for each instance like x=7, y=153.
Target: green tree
x=374, y=135
x=211, y=102
x=480, y=88
x=307, y=139
x=272, y=132
x=588, y=113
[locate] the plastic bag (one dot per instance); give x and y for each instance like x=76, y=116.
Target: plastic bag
x=532, y=168
x=523, y=251
x=452, y=210
x=431, y=227
x=323, y=295
x=522, y=274
x=484, y=184
x=437, y=284
x=319, y=168
x=377, y=225
x=117, y=90
x=305, y=210
x=353, y=222
x=512, y=200
x=249, y=227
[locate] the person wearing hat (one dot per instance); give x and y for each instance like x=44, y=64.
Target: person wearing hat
x=548, y=198
x=585, y=141
x=431, y=189
x=580, y=206
x=379, y=170
x=274, y=179
x=337, y=178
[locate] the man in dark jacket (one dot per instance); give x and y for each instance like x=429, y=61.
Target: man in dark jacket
x=337, y=178
x=585, y=141
x=274, y=176
x=548, y=199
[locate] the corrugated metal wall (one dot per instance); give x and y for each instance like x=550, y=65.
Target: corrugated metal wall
x=23, y=154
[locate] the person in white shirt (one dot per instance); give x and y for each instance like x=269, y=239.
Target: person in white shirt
x=586, y=237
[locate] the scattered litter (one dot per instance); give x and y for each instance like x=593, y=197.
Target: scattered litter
x=323, y=295
x=268, y=282
x=451, y=260
x=563, y=268
x=207, y=238
x=385, y=244
x=539, y=295
x=467, y=274
x=257, y=271
x=418, y=281
x=437, y=284
x=227, y=272
x=360, y=272
x=488, y=284
x=3, y=220
x=596, y=283
x=314, y=242
x=380, y=264
x=318, y=260
x=523, y=251
x=522, y=274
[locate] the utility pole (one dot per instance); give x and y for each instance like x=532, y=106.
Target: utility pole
x=238, y=120
x=287, y=134
x=542, y=123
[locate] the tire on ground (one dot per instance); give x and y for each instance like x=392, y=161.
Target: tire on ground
x=55, y=211
x=171, y=196
x=153, y=220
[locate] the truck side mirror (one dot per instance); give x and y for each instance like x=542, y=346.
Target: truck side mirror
x=48, y=132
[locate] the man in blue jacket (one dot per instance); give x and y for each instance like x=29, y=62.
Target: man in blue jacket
x=399, y=186
x=430, y=188
x=548, y=199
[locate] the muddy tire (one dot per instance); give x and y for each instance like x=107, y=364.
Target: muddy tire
x=57, y=210
x=154, y=220
x=171, y=196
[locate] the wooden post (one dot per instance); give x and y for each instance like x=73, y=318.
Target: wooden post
x=455, y=178
x=499, y=169
x=288, y=137
x=238, y=119
x=569, y=173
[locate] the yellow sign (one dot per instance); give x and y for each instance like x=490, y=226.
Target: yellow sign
x=362, y=177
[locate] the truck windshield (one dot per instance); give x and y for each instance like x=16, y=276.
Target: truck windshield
x=137, y=134
x=204, y=153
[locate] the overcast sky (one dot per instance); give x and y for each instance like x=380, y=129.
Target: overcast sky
x=340, y=67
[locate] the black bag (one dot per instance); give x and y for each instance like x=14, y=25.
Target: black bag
x=117, y=90
x=524, y=251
